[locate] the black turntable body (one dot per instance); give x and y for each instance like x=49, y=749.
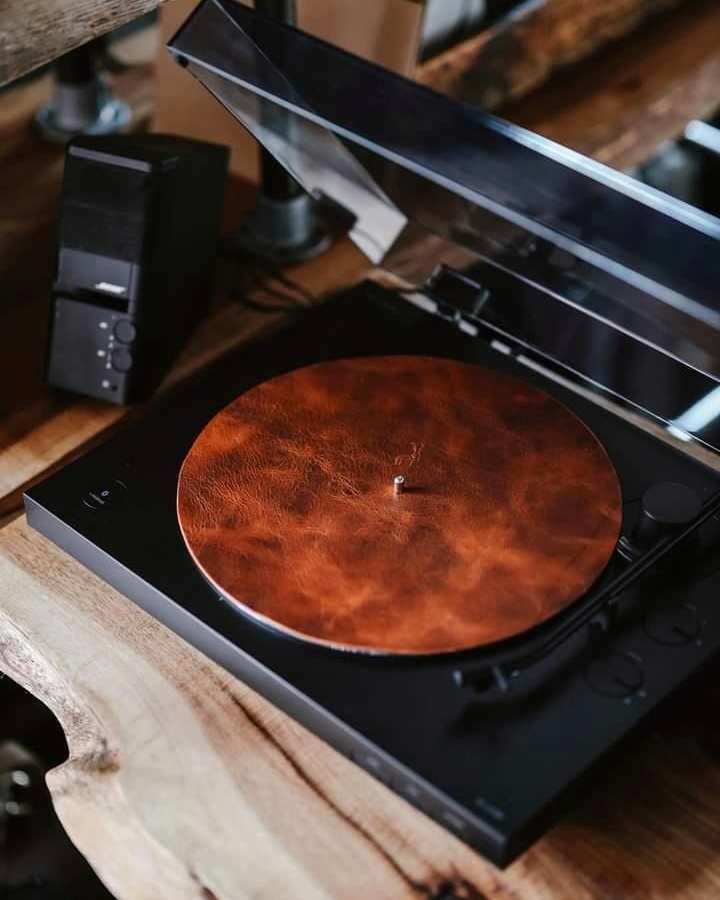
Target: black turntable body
x=515, y=256
x=489, y=743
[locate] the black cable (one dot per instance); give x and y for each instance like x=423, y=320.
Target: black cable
x=261, y=276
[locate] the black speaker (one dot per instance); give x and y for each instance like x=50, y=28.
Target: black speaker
x=139, y=225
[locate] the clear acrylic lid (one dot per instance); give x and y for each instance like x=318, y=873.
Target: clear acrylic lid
x=426, y=180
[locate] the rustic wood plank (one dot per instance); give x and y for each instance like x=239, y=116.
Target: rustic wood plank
x=33, y=32
x=620, y=105
x=517, y=55
x=183, y=783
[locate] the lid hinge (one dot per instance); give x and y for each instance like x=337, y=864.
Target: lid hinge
x=455, y=295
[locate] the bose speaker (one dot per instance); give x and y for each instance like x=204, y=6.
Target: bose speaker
x=139, y=225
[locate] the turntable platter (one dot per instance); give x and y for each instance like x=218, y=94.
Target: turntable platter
x=399, y=505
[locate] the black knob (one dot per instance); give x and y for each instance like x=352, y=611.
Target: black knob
x=616, y=675
x=121, y=360
x=125, y=331
x=666, y=508
x=674, y=626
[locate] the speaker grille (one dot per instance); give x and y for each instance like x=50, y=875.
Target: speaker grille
x=105, y=209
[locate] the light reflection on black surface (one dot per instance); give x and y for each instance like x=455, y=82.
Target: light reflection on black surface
x=664, y=250
x=553, y=235
x=676, y=394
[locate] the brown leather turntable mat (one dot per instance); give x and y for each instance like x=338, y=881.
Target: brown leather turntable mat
x=287, y=503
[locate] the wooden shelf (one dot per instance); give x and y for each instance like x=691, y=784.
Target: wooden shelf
x=523, y=50
x=33, y=32
x=623, y=103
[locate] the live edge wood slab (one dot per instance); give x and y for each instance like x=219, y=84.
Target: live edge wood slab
x=182, y=784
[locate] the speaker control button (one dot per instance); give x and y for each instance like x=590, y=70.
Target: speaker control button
x=125, y=331
x=121, y=360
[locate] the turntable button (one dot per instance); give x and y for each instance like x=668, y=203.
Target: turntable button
x=666, y=508
x=413, y=793
x=125, y=331
x=452, y=821
x=121, y=360
x=370, y=762
x=616, y=675
x=104, y=495
x=674, y=626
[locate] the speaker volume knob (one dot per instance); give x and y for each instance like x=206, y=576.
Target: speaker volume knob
x=121, y=360
x=666, y=509
x=125, y=331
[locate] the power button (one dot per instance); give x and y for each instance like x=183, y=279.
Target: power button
x=616, y=675
x=104, y=495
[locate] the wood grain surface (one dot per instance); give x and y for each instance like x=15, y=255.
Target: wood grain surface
x=182, y=784
x=620, y=105
x=33, y=32
x=498, y=64
x=517, y=55
x=511, y=507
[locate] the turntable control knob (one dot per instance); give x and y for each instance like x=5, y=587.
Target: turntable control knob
x=674, y=626
x=666, y=508
x=616, y=675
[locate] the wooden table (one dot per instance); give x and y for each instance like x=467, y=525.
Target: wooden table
x=183, y=783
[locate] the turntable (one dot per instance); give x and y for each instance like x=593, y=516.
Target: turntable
x=405, y=518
